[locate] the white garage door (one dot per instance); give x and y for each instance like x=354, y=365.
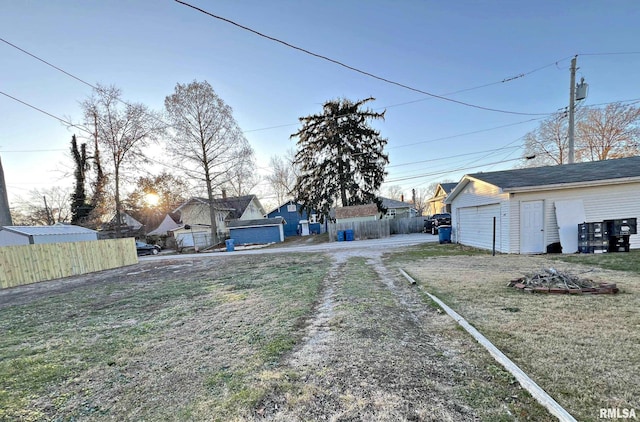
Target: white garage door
x=475, y=226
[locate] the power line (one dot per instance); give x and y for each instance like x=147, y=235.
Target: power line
x=355, y=69
x=622, y=53
x=452, y=156
x=46, y=112
x=449, y=171
x=464, y=134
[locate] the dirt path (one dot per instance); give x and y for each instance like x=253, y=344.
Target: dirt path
x=374, y=351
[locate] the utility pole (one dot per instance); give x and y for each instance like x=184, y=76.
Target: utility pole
x=572, y=100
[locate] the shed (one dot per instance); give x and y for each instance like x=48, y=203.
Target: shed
x=263, y=230
x=292, y=214
x=525, y=203
x=31, y=235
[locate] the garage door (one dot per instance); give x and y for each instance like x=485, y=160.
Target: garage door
x=475, y=226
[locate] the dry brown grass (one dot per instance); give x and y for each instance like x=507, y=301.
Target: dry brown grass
x=583, y=350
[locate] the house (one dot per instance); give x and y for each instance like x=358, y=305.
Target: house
x=398, y=209
x=164, y=227
x=534, y=208
x=34, y=235
x=128, y=227
x=353, y=213
x=297, y=222
x=258, y=231
x=436, y=203
x=196, y=211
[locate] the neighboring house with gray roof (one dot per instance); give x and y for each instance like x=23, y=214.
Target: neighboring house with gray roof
x=398, y=209
x=195, y=211
x=526, y=203
x=436, y=203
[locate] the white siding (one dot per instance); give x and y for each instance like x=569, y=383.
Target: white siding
x=476, y=226
x=8, y=238
x=479, y=195
x=600, y=203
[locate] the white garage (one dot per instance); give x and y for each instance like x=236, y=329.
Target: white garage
x=475, y=226
x=526, y=203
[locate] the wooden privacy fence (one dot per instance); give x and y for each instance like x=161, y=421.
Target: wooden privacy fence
x=32, y=263
x=407, y=225
x=372, y=229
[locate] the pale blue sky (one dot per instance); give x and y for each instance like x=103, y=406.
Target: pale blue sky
x=145, y=47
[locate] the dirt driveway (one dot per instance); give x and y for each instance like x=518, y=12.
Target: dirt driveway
x=370, y=348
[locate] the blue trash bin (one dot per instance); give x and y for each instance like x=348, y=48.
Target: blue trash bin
x=340, y=235
x=230, y=245
x=348, y=235
x=444, y=234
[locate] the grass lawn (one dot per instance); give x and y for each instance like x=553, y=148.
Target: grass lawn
x=284, y=337
x=172, y=342
x=583, y=350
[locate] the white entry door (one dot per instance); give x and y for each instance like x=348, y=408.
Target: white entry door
x=532, y=227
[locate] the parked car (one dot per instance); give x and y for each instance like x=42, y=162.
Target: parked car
x=146, y=249
x=435, y=221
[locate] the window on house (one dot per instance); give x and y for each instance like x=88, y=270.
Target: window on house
x=292, y=208
x=391, y=213
x=313, y=219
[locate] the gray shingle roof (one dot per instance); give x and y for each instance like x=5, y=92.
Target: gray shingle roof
x=568, y=173
x=392, y=203
x=448, y=187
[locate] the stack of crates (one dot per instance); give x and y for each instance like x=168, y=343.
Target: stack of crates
x=593, y=237
x=606, y=236
x=619, y=232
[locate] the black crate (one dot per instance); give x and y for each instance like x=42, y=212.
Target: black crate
x=622, y=226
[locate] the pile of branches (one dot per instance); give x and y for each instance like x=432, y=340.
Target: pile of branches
x=553, y=281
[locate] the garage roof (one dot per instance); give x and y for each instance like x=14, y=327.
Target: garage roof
x=58, y=229
x=566, y=174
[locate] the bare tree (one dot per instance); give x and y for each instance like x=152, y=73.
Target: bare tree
x=394, y=192
x=156, y=196
x=548, y=142
x=123, y=130
x=43, y=207
x=611, y=132
x=242, y=177
x=420, y=199
x=283, y=176
x=206, y=138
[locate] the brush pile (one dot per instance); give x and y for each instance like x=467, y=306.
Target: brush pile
x=553, y=281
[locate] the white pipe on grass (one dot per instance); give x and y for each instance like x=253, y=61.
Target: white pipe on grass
x=527, y=383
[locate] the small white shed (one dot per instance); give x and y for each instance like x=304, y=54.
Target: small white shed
x=524, y=203
x=31, y=235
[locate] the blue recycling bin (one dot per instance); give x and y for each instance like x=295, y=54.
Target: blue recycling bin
x=230, y=245
x=348, y=235
x=444, y=234
x=340, y=235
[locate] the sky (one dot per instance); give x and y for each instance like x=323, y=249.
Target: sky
x=510, y=56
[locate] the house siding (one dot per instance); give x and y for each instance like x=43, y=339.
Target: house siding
x=471, y=201
x=600, y=203
x=250, y=235
x=252, y=212
x=293, y=218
